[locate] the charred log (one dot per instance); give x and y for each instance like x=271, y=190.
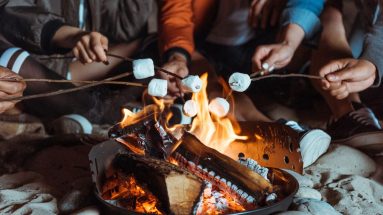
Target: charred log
x=234, y=175
x=177, y=189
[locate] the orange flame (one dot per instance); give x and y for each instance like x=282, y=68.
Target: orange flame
x=127, y=113
x=213, y=131
x=130, y=190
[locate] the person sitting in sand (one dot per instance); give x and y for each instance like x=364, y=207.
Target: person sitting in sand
x=82, y=32
x=351, y=68
x=240, y=36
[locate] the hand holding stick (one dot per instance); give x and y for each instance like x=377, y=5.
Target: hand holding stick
x=58, y=92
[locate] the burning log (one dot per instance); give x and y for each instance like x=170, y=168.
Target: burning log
x=177, y=189
x=250, y=187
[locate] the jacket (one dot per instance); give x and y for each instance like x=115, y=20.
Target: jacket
x=31, y=24
x=181, y=20
x=373, y=41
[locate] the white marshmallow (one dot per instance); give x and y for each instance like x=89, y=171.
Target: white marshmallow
x=192, y=83
x=219, y=107
x=239, y=81
x=143, y=68
x=190, y=108
x=158, y=87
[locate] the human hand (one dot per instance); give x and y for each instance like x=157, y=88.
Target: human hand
x=272, y=56
x=86, y=46
x=9, y=88
x=90, y=47
x=265, y=12
x=347, y=76
x=177, y=64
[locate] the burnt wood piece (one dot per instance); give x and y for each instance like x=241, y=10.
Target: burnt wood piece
x=177, y=189
x=137, y=122
x=143, y=133
x=223, y=166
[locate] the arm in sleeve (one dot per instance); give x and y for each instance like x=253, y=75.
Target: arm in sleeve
x=31, y=28
x=176, y=28
x=373, y=46
x=304, y=13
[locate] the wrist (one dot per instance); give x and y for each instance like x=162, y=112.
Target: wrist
x=178, y=57
x=176, y=53
x=292, y=35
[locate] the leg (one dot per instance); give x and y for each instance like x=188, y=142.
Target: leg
x=332, y=47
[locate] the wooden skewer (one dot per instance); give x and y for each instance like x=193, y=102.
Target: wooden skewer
x=58, y=92
x=73, y=81
x=119, y=57
x=288, y=76
x=259, y=73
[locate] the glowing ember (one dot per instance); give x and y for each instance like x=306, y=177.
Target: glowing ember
x=130, y=195
x=215, y=201
x=213, y=131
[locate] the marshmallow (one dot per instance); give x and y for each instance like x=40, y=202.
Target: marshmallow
x=190, y=108
x=143, y=68
x=192, y=83
x=239, y=81
x=219, y=107
x=158, y=87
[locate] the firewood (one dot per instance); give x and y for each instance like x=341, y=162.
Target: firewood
x=177, y=189
x=223, y=166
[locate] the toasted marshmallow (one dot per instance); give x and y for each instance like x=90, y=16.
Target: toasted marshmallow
x=190, y=108
x=143, y=68
x=219, y=107
x=158, y=87
x=192, y=84
x=239, y=81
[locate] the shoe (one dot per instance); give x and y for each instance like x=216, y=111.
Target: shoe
x=70, y=124
x=359, y=129
x=313, y=142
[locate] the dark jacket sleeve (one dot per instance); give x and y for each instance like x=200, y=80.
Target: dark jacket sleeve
x=373, y=45
x=3, y=2
x=30, y=27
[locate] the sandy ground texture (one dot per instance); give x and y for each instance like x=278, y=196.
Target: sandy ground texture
x=48, y=175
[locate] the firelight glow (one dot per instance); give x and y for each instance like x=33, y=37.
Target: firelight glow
x=215, y=132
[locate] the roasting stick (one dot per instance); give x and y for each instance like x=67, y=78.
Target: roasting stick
x=288, y=76
x=122, y=58
x=58, y=92
x=73, y=81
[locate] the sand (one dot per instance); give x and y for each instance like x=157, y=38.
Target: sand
x=343, y=181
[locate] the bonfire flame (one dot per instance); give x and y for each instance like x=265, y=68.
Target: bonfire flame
x=217, y=133
x=136, y=198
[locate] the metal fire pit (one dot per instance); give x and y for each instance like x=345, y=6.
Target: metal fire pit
x=102, y=155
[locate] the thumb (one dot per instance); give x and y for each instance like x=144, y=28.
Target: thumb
x=332, y=67
x=271, y=60
x=260, y=54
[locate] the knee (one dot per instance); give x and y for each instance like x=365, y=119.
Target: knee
x=13, y=58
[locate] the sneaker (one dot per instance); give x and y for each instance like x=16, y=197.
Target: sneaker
x=359, y=129
x=70, y=124
x=313, y=142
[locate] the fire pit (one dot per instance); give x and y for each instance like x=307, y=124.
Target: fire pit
x=210, y=167
x=103, y=155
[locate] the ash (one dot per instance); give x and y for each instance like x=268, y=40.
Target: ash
x=263, y=171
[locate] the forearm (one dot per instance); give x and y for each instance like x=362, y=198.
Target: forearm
x=66, y=37
x=291, y=35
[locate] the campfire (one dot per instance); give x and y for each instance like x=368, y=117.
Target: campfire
x=212, y=167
